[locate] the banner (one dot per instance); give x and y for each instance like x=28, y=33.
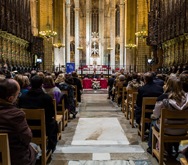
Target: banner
x=70, y=67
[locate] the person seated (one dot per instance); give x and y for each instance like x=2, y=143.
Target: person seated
x=86, y=76
x=78, y=83
x=94, y=76
x=67, y=85
x=23, y=82
x=150, y=89
x=101, y=76
x=174, y=98
x=50, y=88
x=13, y=122
x=36, y=98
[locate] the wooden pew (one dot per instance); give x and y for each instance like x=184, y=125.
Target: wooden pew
x=38, y=115
x=156, y=135
x=59, y=119
x=64, y=112
x=123, y=103
x=128, y=102
x=132, y=111
x=147, y=101
x=183, y=161
x=4, y=149
x=118, y=93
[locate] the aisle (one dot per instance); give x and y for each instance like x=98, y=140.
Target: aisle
x=100, y=135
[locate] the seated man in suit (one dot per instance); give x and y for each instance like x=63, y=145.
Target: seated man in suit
x=36, y=98
x=94, y=75
x=13, y=122
x=150, y=89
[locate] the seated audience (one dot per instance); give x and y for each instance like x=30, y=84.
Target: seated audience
x=94, y=75
x=150, y=89
x=110, y=85
x=13, y=122
x=36, y=98
x=23, y=82
x=174, y=98
x=135, y=83
x=184, y=80
x=50, y=88
x=67, y=86
x=78, y=83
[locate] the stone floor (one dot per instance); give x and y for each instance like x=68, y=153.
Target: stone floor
x=100, y=135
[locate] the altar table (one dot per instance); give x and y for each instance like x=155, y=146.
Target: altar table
x=87, y=83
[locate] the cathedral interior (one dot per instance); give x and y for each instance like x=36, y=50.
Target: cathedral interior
x=137, y=35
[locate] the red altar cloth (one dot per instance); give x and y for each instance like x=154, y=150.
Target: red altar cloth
x=87, y=83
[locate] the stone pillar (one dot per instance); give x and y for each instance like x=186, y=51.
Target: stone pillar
x=122, y=33
x=101, y=31
x=34, y=24
x=130, y=34
x=88, y=31
x=48, y=60
x=63, y=37
x=112, y=34
x=125, y=34
x=68, y=30
x=59, y=53
x=77, y=35
x=143, y=49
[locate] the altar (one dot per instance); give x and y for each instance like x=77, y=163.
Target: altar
x=87, y=83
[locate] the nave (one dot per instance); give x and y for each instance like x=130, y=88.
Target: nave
x=100, y=135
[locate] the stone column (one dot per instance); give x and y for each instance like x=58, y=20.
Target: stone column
x=68, y=30
x=143, y=49
x=122, y=33
x=77, y=35
x=101, y=31
x=63, y=37
x=59, y=53
x=112, y=34
x=125, y=34
x=88, y=31
x=130, y=37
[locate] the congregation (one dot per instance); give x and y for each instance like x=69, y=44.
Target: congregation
x=36, y=90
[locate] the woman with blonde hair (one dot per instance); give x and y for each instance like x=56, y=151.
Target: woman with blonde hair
x=60, y=78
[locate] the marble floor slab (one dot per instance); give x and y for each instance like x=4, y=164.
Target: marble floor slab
x=99, y=131
x=100, y=149
x=114, y=162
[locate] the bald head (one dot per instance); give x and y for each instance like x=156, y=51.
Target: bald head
x=9, y=88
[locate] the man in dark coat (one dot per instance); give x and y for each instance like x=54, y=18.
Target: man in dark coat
x=36, y=98
x=150, y=89
x=13, y=122
x=78, y=83
x=110, y=85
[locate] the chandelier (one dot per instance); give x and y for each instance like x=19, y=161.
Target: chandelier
x=130, y=45
x=141, y=34
x=59, y=44
x=48, y=32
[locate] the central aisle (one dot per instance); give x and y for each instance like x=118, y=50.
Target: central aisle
x=100, y=135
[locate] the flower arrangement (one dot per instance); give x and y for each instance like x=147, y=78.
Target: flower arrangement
x=96, y=85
